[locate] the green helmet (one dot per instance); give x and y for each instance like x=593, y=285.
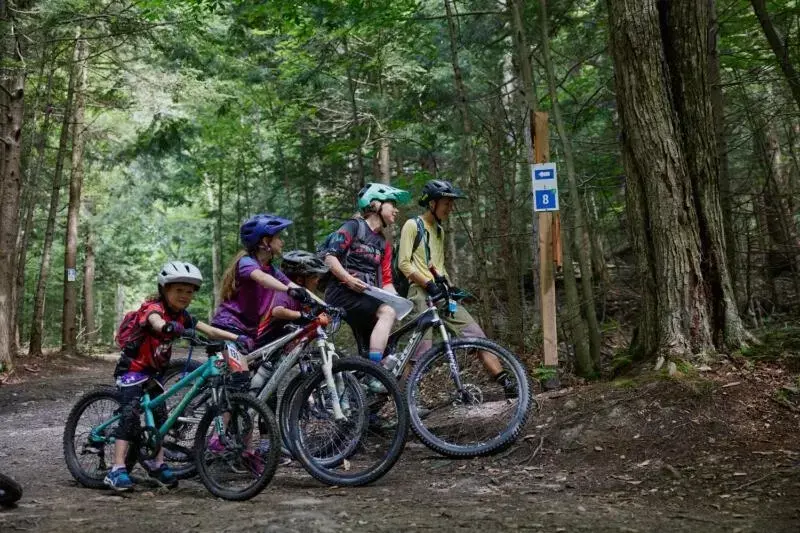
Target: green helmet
x=382, y=193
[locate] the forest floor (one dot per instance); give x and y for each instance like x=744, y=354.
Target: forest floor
x=714, y=450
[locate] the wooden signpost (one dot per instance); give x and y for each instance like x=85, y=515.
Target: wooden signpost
x=545, y=194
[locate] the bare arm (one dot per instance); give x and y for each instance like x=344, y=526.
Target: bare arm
x=283, y=313
x=215, y=333
x=343, y=275
x=269, y=282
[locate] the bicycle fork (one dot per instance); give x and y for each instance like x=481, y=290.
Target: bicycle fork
x=330, y=382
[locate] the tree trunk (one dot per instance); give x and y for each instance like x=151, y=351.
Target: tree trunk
x=308, y=210
x=528, y=90
x=88, y=280
x=385, y=160
x=672, y=177
x=33, y=184
x=584, y=364
x=12, y=100
x=581, y=239
x=69, y=332
x=215, y=206
x=497, y=172
x=119, y=310
x=351, y=85
x=37, y=322
x=779, y=48
x=718, y=107
x=780, y=219
x=472, y=171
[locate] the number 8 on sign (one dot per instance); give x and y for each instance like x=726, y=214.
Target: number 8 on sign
x=545, y=200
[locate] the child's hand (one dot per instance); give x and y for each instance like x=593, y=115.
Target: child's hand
x=299, y=294
x=173, y=328
x=246, y=344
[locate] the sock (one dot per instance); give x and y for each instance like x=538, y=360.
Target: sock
x=117, y=467
x=375, y=356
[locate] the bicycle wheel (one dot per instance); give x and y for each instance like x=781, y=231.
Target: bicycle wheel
x=89, y=454
x=237, y=462
x=10, y=491
x=479, y=420
x=178, y=443
x=366, y=443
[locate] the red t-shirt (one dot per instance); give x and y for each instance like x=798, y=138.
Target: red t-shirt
x=155, y=349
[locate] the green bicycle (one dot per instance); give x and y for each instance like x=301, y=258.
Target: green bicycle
x=236, y=445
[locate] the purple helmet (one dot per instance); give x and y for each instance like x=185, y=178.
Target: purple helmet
x=259, y=226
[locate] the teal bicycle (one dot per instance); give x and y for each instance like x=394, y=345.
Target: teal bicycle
x=236, y=445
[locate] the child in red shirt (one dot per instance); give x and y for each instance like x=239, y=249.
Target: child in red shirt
x=145, y=356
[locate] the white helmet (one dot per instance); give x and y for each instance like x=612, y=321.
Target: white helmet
x=180, y=272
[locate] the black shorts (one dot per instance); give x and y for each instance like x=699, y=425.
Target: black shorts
x=361, y=309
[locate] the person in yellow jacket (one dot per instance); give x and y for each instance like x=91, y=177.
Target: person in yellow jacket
x=438, y=197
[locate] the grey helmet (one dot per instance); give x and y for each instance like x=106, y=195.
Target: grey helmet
x=302, y=263
x=180, y=272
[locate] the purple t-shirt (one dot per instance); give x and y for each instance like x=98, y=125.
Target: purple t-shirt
x=271, y=326
x=251, y=301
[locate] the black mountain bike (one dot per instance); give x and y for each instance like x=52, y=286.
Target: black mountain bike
x=456, y=407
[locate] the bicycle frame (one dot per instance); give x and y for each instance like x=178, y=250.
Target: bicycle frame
x=199, y=377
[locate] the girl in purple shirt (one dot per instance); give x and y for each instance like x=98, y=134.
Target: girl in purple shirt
x=251, y=283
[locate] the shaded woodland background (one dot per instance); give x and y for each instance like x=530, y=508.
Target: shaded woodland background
x=136, y=132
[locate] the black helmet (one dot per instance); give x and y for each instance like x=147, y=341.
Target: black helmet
x=435, y=189
x=302, y=263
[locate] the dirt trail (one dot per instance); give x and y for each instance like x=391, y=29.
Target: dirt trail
x=596, y=459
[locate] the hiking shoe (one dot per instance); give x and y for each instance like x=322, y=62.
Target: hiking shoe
x=163, y=475
x=508, y=384
x=119, y=480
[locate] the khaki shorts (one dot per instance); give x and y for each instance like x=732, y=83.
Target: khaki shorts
x=461, y=324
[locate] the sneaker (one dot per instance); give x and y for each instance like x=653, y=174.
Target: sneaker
x=253, y=462
x=285, y=459
x=163, y=475
x=214, y=445
x=508, y=384
x=375, y=386
x=118, y=480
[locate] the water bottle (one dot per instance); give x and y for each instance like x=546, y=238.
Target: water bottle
x=451, y=306
x=390, y=362
x=261, y=377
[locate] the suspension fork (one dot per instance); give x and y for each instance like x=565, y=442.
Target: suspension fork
x=455, y=371
x=327, y=371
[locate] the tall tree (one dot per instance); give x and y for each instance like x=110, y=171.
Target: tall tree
x=69, y=331
x=37, y=321
x=12, y=100
x=660, y=52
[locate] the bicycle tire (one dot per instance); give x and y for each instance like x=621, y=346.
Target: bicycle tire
x=177, y=455
x=10, y=491
x=504, y=437
x=322, y=470
x=88, y=479
x=242, y=404
x=285, y=409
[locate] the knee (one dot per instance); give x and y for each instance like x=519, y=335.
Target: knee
x=128, y=428
x=386, y=314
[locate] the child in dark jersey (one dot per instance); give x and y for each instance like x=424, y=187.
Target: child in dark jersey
x=158, y=322
x=303, y=268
